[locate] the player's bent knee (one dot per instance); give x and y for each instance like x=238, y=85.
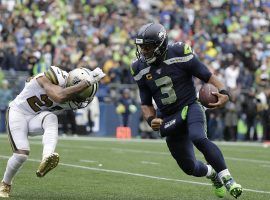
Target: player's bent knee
x=188, y=166
x=24, y=152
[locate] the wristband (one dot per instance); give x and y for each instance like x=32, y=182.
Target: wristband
x=149, y=120
x=225, y=92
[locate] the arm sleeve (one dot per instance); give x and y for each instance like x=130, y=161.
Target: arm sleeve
x=198, y=69
x=145, y=95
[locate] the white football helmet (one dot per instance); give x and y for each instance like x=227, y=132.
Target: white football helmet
x=86, y=96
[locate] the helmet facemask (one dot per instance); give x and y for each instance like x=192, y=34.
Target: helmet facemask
x=78, y=103
x=148, y=52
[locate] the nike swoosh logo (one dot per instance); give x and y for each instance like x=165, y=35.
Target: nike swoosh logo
x=95, y=76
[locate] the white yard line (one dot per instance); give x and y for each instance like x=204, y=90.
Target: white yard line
x=89, y=161
x=265, y=165
x=152, y=152
x=149, y=163
x=140, y=175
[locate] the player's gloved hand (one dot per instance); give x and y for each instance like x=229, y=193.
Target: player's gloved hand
x=95, y=76
x=156, y=123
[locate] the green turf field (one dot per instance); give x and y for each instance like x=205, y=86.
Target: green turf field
x=100, y=168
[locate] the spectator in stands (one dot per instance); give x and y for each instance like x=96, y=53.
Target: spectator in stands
x=5, y=98
x=67, y=32
x=125, y=107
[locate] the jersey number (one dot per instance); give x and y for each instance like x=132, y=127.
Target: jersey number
x=35, y=103
x=166, y=87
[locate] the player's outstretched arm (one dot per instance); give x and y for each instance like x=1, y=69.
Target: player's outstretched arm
x=59, y=94
x=223, y=95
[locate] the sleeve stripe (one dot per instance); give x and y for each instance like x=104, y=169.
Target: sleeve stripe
x=55, y=80
x=50, y=74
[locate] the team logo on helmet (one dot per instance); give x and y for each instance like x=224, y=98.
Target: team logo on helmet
x=162, y=34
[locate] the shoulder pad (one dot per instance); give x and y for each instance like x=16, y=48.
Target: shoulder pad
x=56, y=76
x=138, y=69
x=134, y=67
x=182, y=48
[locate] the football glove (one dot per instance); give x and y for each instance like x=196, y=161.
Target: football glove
x=95, y=76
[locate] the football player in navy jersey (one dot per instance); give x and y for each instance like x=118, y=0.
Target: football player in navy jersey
x=165, y=73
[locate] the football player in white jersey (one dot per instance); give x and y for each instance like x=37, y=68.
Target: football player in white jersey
x=32, y=112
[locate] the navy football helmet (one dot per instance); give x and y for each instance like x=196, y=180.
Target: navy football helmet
x=151, y=43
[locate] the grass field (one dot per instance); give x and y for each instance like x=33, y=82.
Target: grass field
x=100, y=168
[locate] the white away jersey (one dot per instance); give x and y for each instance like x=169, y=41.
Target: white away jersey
x=33, y=98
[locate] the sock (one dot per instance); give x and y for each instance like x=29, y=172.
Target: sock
x=225, y=175
x=13, y=165
x=211, y=153
x=210, y=171
x=50, y=136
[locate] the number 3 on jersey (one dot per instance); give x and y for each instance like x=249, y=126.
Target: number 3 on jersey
x=166, y=87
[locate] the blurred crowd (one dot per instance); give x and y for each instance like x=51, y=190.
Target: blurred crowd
x=232, y=37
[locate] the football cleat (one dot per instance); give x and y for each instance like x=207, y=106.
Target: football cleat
x=47, y=164
x=4, y=190
x=234, y=188
x=218, y=186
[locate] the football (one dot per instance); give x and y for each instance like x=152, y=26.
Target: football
x=206, y=96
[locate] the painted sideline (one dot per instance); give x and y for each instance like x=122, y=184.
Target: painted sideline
x=110, y=139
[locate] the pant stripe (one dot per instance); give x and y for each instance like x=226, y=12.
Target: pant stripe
x=204, y=119
x=11, y=141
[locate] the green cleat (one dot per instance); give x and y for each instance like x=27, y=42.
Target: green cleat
x=234, y=188
x=219, y=189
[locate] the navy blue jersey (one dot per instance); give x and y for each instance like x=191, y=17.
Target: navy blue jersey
x=170, y=83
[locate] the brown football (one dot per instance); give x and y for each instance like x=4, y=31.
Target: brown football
x=206, y=96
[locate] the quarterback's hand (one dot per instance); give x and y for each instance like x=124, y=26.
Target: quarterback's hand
x=222, y=100
x=95, y=76
x=156, y=123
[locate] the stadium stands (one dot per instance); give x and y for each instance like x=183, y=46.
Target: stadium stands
x=231, y=37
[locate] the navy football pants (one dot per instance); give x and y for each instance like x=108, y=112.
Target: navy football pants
x=192, y=133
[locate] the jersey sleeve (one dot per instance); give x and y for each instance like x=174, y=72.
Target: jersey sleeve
x=57, y=76
x=144, y=91
x=192, y=63
x=145, y=95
